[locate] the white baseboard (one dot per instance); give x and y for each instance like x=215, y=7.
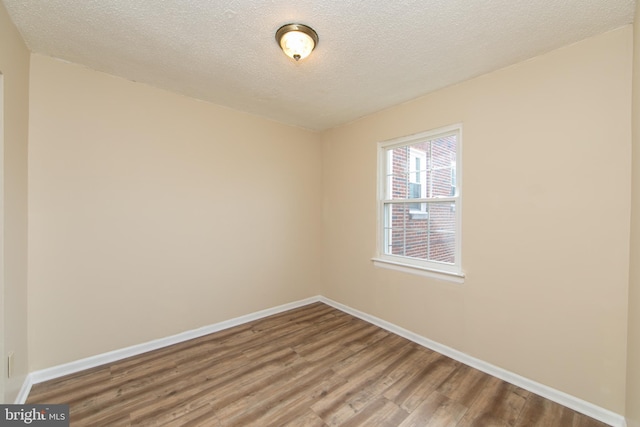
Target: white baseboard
x=24, y=390
x=552, y=394
x=116, y=355
x=557, y=396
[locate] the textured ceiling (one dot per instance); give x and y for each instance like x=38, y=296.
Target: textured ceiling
x=371, y=55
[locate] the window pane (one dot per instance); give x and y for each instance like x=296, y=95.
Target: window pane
x=400, y=186
x=442, y=232
x=427, y=165
x=443, y=160
x=443, y=150
x=395, y=218
x=408, y=167
x=415, y=192
x=399, y=172
x=427, y=233
x=441, y=182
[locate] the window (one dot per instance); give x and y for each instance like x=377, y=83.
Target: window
x=419, y=190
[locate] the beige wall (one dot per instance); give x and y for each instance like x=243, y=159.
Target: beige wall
x=14, y=67
x=633, y=355
x=546, y=173
x=152, y=213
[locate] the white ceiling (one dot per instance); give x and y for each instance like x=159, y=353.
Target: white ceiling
x=371, y=55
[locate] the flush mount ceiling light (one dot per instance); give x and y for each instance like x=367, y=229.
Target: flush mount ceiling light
x=296, y=40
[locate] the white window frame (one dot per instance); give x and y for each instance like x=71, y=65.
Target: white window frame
x=439, y=270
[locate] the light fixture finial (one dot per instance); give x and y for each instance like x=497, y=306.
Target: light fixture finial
x=296, y=40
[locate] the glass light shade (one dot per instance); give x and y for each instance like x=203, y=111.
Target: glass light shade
x=296, y=40
x=296, y=45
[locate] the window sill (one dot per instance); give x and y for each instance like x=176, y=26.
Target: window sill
x=419, y=214
x=420, y=271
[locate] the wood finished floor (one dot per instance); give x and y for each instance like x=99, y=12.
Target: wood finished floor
x=312, y=366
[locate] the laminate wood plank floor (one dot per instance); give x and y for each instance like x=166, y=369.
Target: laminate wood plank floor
x=311, y=366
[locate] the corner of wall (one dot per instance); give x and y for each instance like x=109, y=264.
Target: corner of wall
x=633, y=337
x=14, y=66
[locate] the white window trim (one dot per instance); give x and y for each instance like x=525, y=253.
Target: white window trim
x=449, y=272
